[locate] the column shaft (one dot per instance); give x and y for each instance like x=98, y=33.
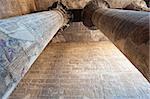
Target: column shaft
x=129, y=31
x=22, y=40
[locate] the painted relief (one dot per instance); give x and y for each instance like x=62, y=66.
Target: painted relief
x=22, y=39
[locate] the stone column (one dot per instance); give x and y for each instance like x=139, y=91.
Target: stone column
x=128, y=30
x=22, y=39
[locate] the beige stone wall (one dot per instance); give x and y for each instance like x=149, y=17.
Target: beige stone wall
x=77, y=32
x=82, y=71
x=10, y=8
x=44, y=4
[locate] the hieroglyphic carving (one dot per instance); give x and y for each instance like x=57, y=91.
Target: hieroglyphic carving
x=22, y=39
x=128, y=30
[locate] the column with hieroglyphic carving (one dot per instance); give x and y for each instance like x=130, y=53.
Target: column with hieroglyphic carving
x=22, y=39
x=128, y=30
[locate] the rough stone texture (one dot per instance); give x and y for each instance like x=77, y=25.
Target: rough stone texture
x=44, y=4
x=82, y=71
x=77, y=32
x=136, y=4
x=18, y=7
x=129, y=31
x=129, y=4
x=10, y=8
x=75, y=4
x=22, y=39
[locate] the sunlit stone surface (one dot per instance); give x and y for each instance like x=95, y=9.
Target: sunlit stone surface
x=97, y=70
x=82, y=71
x=77, y=32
